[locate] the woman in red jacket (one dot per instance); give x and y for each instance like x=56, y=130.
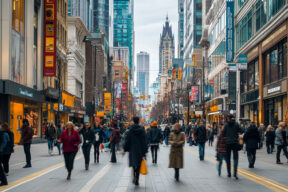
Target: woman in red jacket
x=70, y=139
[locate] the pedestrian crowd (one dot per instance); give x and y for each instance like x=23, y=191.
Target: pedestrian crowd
x=134, y=139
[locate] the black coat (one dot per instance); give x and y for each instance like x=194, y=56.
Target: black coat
x=270, y=137
x=201, y=134
x=166, y=132
x=252, y=137
x=136, y=144
x=231, y=132
x=154, y=135
x=88, y=136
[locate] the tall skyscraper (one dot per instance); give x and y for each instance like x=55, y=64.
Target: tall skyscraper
x=143, y=72
x=124, y=28
x=166, y=49
x=101, y=16
x=180, y=28
x=82, y=9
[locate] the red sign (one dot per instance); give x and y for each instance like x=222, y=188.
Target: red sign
x=193, y=95
x=50, y=38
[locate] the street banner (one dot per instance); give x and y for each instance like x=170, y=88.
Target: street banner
x=117, y=90
x=50, y=38
x=107, y=102
x=194, y=94
x=229, y=31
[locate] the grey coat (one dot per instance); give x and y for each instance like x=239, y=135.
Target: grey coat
x=279, y=137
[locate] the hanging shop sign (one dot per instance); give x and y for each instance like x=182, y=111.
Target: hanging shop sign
x=229, y=31
x=194, y=94
x=107, y=102
x=274, y=90
x=50, y=38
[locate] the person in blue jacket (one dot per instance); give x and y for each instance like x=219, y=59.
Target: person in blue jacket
x=9, y=149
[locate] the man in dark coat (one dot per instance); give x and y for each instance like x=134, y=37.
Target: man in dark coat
x=137, y=146
x=115, y=138
x=201, y=137
x=154, y=138
x=231, y=133
x=27, y=134
x=252, y=140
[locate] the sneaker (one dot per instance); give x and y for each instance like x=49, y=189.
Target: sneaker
x=279, y=163
x=2, y=184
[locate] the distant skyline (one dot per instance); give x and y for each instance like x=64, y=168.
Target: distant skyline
x=149, y=19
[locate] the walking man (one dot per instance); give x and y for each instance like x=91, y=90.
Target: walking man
x=231, y=133
x=136, y=144
x=154, y=138
x=27, y=134
x=201, y=138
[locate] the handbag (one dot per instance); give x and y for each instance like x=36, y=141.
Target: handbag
x=240, y=144
x=143, y=168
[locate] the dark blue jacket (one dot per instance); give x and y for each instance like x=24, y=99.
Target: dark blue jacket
x=10, y=144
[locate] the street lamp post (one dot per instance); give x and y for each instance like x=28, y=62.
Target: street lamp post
x=188, y=101
x=178, y=95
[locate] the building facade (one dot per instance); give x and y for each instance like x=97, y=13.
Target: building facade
x=180, y=28
x=76, y=57
x=143, y=66
x=124, y=29
x=21, y=64
x=192, y=37
x=261, y=33
x=120, y=54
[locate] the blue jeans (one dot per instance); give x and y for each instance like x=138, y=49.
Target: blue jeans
x=221, y=157
x=50, y=144
x=201, y=150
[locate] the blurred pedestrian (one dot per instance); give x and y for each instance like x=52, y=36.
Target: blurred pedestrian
x=99, y=134
x=115, y=138
x=58, y=135
x=279, y=141
x=88, y=139
x=252, y=140
x=27, y=134
x=9, y=148
x=4, y=139
x=70, y=139
x=221, y=149
x=50, y=135
x=270, y=139
x=176, y=140
x=154, y=138
x=201, y=138
x=136, y=144
x=166, y=134
x=210, y=135
x=231, y=133
x=262, y=134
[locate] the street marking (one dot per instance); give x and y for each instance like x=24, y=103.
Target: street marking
x=270, y=184
x=124, y=180
x=96, y=178
x=34, y=176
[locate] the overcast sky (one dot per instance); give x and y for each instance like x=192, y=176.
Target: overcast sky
x=149, y=19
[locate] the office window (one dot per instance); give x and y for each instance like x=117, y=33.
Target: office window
x=260, y=14
x=275, y=6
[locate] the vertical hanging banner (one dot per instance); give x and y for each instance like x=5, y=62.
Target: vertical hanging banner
x=107, y=102
x=229, y=31
x=50, y=38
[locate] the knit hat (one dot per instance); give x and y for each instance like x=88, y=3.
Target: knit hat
x=154, y=124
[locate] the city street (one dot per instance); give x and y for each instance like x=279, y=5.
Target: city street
x=48, y=173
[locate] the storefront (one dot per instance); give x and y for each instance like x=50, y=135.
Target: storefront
x=275, y=102
x=215, y=109
x=77, y=114
x=250, y=106
x=23, y=103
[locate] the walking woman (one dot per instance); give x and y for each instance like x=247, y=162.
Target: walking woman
x=279, y=141
x=270, y=139
x=70, y=139
x=154, y=138
x=9, y=148
x=176, y=140
x=252, y=140
x=50, y=135
x=166, y=134
x=58, y=135
x=99, y=135
x=88, y=140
